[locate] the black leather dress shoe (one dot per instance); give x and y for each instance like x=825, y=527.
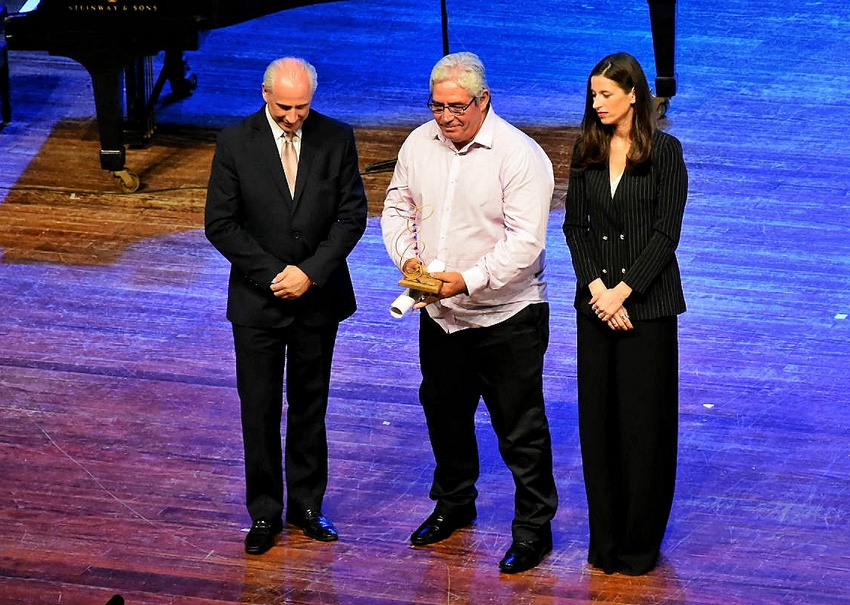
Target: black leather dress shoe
x=524, y=555
x=261, y=536
x=438, y=527
x=314, y=524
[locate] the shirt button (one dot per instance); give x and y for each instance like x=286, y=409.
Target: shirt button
x=604, y=270
x=604, y=238
x=622, y=270
x=622, y=236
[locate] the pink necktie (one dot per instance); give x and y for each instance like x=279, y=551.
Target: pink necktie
x=290, y=161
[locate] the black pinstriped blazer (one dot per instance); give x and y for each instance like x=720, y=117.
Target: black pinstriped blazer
x=632, y=237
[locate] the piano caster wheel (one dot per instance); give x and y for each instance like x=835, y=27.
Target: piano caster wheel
x=128, y=181
x=662, y=104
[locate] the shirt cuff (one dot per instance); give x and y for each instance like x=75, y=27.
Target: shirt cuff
x=475, y=280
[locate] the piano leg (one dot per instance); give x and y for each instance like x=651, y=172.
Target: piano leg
x=141, y=122
x=107, y=71
x=662, y=16
x=110, y=74
x=176, y=70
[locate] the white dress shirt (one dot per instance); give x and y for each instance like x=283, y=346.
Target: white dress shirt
x=278, y=133
x=482, y=210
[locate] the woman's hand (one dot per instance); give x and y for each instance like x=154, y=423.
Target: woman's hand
x=607, y=304
x=620, y=320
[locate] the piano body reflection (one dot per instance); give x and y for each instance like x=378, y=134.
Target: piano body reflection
x=116, y=40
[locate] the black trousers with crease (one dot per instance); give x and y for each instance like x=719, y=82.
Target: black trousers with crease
x=503, y=365
x=306, y=353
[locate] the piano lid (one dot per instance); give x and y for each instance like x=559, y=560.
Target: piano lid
x=208, y=14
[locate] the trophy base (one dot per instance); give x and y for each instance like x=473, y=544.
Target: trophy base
x=423, y=283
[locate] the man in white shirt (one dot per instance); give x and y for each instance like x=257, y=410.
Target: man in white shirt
x=471, y=193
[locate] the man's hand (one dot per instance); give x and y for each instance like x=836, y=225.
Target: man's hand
x=290, y=283
x=453, y=284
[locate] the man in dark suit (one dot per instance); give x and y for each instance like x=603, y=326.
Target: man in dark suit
x=286, y=206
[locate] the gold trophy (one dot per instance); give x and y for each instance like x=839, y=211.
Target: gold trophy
x=419, y=283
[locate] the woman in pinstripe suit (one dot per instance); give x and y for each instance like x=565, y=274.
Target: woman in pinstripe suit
x=624, y=209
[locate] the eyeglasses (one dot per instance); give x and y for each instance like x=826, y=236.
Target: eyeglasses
x=455, y=110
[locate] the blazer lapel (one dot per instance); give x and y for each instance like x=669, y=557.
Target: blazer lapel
x=600, y=189
x=309, y=150
x=305, y=163
x=268, y=151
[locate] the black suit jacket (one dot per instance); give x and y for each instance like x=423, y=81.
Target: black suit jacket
x=253, y=221
x=633, y=236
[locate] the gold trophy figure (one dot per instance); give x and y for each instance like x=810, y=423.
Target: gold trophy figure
x=420, y=279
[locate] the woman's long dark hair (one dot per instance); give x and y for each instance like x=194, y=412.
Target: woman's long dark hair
x=594, y=144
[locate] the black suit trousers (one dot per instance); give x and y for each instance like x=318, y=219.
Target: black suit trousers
x=503, y=365
x=306, y=353
x=628, y=427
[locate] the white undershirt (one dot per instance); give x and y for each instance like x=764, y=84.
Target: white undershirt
x=614, y=183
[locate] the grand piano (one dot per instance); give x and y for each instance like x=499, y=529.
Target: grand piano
x=116, y=40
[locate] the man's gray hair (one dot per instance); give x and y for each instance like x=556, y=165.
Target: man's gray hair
x=466, y=69
x=292, y=67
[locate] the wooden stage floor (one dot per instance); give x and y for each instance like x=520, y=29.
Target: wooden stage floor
x=120, y=452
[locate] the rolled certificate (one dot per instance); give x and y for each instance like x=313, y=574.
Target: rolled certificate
x=401, y=305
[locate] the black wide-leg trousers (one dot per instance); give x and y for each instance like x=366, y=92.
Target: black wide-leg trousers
x=628, y=426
